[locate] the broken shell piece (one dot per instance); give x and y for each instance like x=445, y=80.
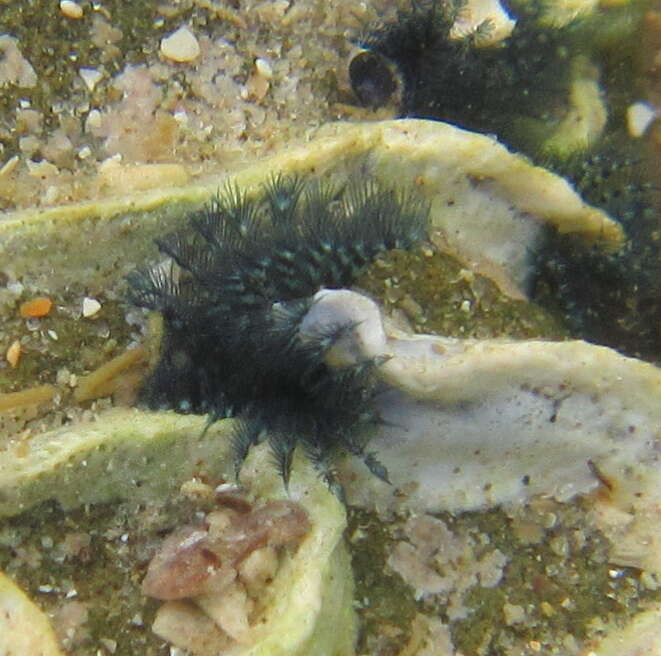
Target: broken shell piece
x=24, y=629
x=71, y=9
x=640, y=115
x=475, y=424
x=90, y=307
x=586, y=114
x=14, y=68
x=13, y=354
x=182, y=622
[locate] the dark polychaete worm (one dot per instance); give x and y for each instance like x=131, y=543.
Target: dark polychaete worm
x=243, y=274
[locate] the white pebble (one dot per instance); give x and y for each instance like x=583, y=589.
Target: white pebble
x=90, y=307
x=93, y=121
x=15, y=288
x=263, y=67
x=70, y=9
x=639, y=117
x=180, y=46
x=90, y=76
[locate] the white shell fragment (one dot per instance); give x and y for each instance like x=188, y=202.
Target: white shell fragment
x=263, y=67
x=24, y=628
x=91, y=77
x=476, y=424
x=181, y=46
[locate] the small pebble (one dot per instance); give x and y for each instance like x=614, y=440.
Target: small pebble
x=181, y=46
x=14, y=354
x=70, y=9
x=514, y=614
x=263, y=68
x=93, y=121
x=90, y=77
x=90, y=307
x=639, y=117
x=36, y=307
x=15, y=288
x=42, y=169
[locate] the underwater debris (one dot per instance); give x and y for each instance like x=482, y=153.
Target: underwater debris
x=245, y=271
x=219, y=573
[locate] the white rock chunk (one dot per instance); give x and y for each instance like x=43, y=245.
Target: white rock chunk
x=640, y=116
x=14, y=68
x=90, y=307
x=91, y=77
x=181, y=46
